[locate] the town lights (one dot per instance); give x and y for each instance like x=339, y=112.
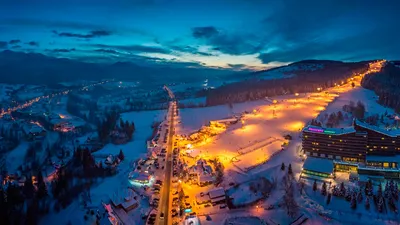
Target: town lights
x=296, y=94
x=275, y=101
x=319, y=89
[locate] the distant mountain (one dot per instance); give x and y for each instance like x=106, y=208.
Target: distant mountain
x=303, y=76
x=35, y=68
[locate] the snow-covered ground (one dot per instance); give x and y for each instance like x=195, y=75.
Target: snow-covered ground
x=110, y=185
x=17, y=156
x=288, y=71
x=287, y=116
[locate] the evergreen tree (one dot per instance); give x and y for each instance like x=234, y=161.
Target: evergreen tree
x=367, y=203
x=359, y=196
x=353, y=84
x=42, y=188
x=342, y=189
x=328, y=200
x=353, y=202
x=315, y=185
x=28, y=188
x=380, y=203
x=290, y=172
x=283, y=166
x=121, y=155
x=323, y=189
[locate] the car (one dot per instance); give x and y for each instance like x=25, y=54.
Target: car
x=201, y=194
x=207, y=205
x=192, y=213
x=175, y=199
x=161, y=216
x=162, y=166
x=187, y=196
x=151, y=222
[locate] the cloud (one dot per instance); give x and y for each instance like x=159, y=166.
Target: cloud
x=16, y=46
x=92, y=34
x=190, y=49
x=14, y=42
x=3, y=44
x=229, y=43
x=204, y=32
x=133, y=48
x=110, y=51
x=33, y=43
x=61, y=50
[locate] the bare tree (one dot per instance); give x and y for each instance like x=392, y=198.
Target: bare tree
x=289, y=201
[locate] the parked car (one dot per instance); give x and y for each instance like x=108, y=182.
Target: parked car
x=223, y=206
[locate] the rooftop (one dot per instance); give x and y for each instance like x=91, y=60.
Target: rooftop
x=330, y=131
x=376, y=158
x=318, y=165
x=387, y=132
x=215, y=193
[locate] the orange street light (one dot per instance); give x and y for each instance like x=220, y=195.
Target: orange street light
x=275, y=101
x=297, y=94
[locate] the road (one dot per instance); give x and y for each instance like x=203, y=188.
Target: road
x=165, y=197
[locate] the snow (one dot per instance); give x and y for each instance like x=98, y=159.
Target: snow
x=375, y=158
x=16, y=157
x=288, y=71
x=318, y=165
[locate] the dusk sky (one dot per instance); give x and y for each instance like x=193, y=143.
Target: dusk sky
x=252, y=34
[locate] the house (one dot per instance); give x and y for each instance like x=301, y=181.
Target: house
x=125, y=199
x=34, y=132
x=217, y=195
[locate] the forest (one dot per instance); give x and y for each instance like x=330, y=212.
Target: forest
x=386, y=84
x=332, y=72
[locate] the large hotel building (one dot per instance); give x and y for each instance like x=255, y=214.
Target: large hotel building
x=370, y=151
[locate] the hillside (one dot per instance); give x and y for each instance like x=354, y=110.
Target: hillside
x=303, y=76
x=386, y=85
x=34, y=68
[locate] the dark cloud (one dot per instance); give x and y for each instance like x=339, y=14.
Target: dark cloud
x=110, y=51
x=133, y=48
x=204, y=32
x=61, y=50
x=14, y=42
x=190, y=49
x=33, y=43
x=229, y=43
x=3, y=44
x=331, y=29
x=92, y=34
x=16, y=46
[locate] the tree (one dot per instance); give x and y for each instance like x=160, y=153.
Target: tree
x=328, y=200
x=359, y=196
x=121, y=155
x=283, y=166
x=42, y=188
x=353, y=202
x=315, y=185
x=28, y=188
x=290, y=172
x=353, y=84
x=323, y=189
x=367, y=203
x=289, y=201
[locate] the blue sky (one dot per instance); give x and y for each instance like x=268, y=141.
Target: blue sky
x=237, y=34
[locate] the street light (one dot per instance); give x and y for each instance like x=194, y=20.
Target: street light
x=297, y=94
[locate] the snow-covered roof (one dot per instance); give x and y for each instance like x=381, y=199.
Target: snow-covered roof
x=215, y=193
x=318, y=165
x=390, y=133
x=376, y=158
x=330, y=131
